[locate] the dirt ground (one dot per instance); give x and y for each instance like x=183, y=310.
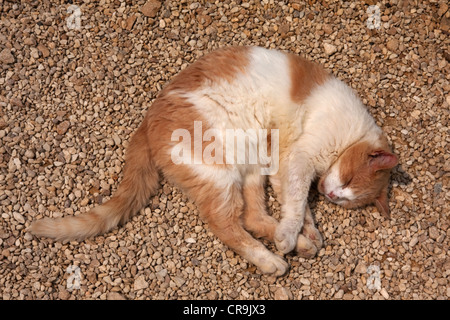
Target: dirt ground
x=76, y=80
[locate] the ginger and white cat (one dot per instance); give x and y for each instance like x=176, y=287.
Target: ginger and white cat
x=323, y=131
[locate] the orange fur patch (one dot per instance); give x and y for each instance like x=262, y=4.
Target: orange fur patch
x=224, y=64
x=305, y=75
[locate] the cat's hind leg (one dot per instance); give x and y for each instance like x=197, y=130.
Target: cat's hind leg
x=220, y=201
x=223, y=214
x=261, y=225
x=256, y=220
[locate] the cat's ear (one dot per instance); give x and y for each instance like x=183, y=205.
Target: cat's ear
x=382, y=159
x=381, y=202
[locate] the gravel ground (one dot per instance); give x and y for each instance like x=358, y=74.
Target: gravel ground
x=74, y=85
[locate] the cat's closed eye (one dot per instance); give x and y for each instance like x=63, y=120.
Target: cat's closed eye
x=347, y=183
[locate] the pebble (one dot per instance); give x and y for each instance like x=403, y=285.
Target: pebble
x=140, y=283
x=384, y=293
x=43, y=49
x=178, y=281
x=361, y=268
x=151, y=8
x=329, y=49
x=339, y=294
x=392, y=45
x=114, y=296
x=19, y=217
x=6, y=56
x=63, y=127
x=212, y=295
x=283, y=294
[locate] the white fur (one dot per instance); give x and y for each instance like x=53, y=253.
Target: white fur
x=329, y=136
x=333, y=183
x=254, y=99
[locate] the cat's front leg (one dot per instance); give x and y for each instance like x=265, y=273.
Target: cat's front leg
x=310, y=241
x=288, y=229
x=296, y=179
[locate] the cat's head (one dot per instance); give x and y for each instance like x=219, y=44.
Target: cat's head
x=360, y=176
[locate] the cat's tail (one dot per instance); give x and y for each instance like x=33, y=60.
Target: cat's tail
x=140, y=181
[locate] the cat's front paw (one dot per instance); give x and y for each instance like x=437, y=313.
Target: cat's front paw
x=268, y=262
x=286, y=237
x=311, y=232
x=305, y=248
x=309, y=242
x=275, y=265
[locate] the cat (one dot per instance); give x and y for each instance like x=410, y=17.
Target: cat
x=323, y=132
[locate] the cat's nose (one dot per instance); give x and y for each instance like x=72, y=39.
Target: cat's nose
x=332, y=196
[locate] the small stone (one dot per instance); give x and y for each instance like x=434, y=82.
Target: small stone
x=296, y=5
x=6, y=56
x=234, y=294
x=392, y=44
x=254, y=283
x=283, y=294
x=339, y=294
x=184, y=209
x=17, y=163
x=64, y=294
x=16, y=102
x=347, y=296
x=167, y=251
x=6, y=253
x=116, y=139
x=415, y=114
x=151, y=8
x=140, y=283
x=433, y=232
x=361, y=268
x=178, y=281
x=442, y=9
x=161, y=274
x=43, y=49
x=114, y=296
x=30, y=41
x=413, y=241
x=305, y=281
x=329, y=49
x=384, y=293
x=212, y=295
x=131, y=20
x=19, y=217
x=34, y=53
x=40, y=120
x=445, y=24
x=63, y=127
